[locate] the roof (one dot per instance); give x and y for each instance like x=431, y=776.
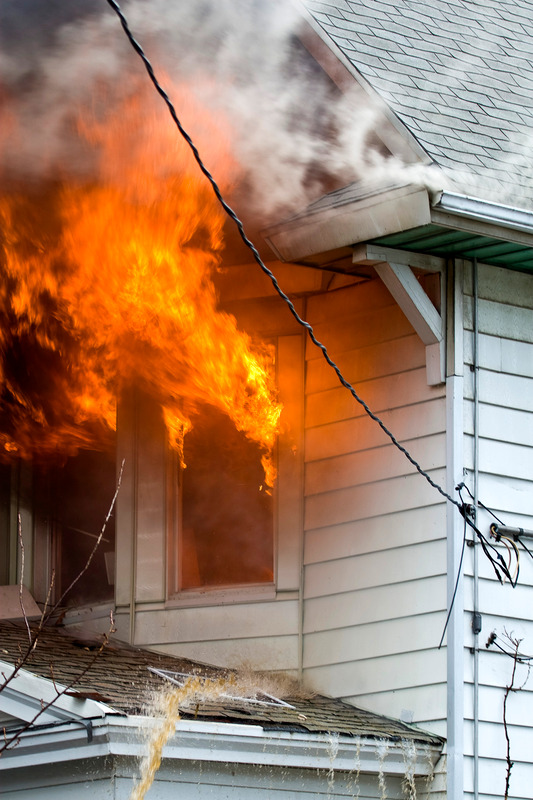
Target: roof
x=457, y=73
x=120, y=677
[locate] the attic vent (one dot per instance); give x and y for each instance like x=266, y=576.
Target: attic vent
x=258, y=697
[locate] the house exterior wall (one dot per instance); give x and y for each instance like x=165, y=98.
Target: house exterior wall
x=375, y=531
x=256, y=626
x=503, y=453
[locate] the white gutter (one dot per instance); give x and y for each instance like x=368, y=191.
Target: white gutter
x=27, y=696
x=485, y=211
x=197, y=740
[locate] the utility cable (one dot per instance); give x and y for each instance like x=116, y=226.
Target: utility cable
x=459, y=572
x=231, y=213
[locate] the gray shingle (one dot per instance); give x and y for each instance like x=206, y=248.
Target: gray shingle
x=471, y=63
x=121, y=677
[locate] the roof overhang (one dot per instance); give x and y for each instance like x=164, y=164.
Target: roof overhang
x=219, y=742
x=408, y=218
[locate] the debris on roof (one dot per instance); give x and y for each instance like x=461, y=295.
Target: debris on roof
x=126, y=679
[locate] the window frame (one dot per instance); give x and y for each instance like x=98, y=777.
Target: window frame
x=288, y=496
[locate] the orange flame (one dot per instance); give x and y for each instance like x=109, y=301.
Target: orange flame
x=109, y=283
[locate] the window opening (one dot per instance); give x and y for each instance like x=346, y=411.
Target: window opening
x=78, y=496
x=226, y=526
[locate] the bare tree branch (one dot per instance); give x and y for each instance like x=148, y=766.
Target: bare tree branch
x=33, y=636
x=10, y=743
x=515, y=643
x=21, y=581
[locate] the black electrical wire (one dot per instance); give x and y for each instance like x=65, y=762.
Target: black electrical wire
x=231, y=213
x=459, y=572
x=496, y=559
x=528, y=551
x=484, y=507
x=520, y=657
x=497, y=562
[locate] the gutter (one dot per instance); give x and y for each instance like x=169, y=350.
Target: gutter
x=363, y=212
x=198, y=740
x=484, y=211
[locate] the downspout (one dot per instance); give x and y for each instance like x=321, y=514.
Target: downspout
x=454, y=531
x=476, y=621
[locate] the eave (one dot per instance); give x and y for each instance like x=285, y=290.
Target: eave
x=126, y=736
x=405, y=218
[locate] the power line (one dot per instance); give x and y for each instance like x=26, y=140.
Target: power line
x=231, y=213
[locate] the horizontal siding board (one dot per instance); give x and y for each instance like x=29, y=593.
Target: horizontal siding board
x=495, y=670
x=491, y=705
x=506, y=356
x=371, y=296
x=426, y=704
x=236, y=781
x=492, y=739
x=387, y=673
x=507, y=459
x=496, y=319
x=504, y=601
x=364, y=433
x=513, y=391
x=500, y=423
x=359, y=502
x=501, y=285
x=379, y=533
x=358, y=330
x=376, y=569
x=217, y=622
x=392, y=391
x=377, y=603
x=512, y=494
x=388, y=637
x=367, y=363
x=264, y=653
x=492, y=779
x=377, y=464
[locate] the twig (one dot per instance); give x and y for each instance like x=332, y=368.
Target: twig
x=21, y=581
x=46, y=615
x=15, y=739
x=508, y=689
x=96, y=545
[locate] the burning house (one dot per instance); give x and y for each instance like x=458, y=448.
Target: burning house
x=268, y=514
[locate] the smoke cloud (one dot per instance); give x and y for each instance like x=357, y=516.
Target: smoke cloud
x=293, y=134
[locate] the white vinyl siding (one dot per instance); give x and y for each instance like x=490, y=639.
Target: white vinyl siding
x=505, y=395
x=375, y=552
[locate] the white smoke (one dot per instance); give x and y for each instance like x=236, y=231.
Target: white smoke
x=290, y=126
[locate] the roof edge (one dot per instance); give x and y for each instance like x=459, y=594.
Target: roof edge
x=484, y=211
x=223, y=742
x=353, y=220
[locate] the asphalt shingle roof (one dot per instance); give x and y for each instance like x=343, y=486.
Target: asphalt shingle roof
x=458, y=74
x=120, y=677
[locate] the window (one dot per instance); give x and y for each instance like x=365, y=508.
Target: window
x=72, y=502
x=226, y=534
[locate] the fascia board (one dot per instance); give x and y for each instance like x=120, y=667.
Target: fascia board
x=219, y=743
x=357, y=221
x=26, y=694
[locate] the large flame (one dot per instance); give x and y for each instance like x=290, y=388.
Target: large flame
x=108, y=282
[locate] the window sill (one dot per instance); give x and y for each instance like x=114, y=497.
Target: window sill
x=222, y=596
